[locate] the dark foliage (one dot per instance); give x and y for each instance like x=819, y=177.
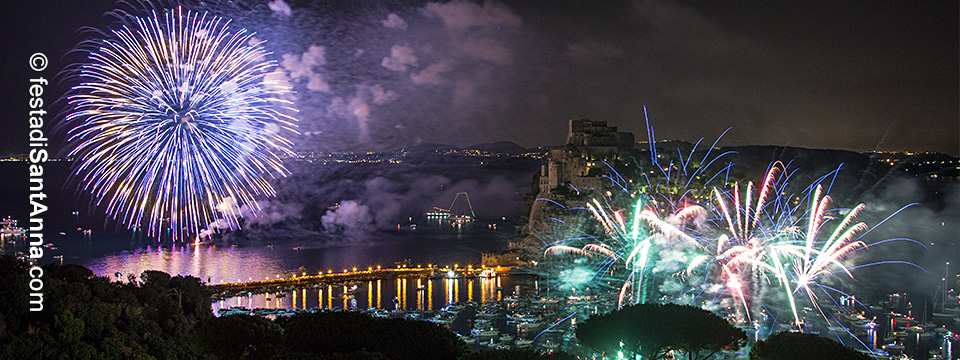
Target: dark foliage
x=164, y=317
x=516, y=354
x=791, y=346
x=654, y=330
x=348, y=332
x=89, y=317
x=238, y=337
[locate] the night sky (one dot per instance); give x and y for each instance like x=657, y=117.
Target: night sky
x=878, y=75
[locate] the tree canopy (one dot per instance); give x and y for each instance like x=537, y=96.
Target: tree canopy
x=656, y=331
x=90, y=317
x=348, y=332
x=238, y=337
x=516, y=354
x=796, y=346
x=169, y=317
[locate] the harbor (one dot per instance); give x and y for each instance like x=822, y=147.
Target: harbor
x=494, y=311
x=509, y=310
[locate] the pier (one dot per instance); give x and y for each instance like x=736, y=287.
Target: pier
x=225, y=290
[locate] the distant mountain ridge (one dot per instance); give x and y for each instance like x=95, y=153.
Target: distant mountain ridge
x=502, y=147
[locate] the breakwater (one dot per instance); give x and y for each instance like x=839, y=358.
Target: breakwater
x=303, y=280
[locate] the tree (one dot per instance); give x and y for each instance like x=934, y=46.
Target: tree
x=791, y=345
x=516, y=354
x=328, y=333
x=192, y=296
x=356, y=355
x=238, y=337
x=90, y=317
x=657, y=331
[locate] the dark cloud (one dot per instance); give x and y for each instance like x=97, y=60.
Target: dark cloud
x=825, y=75
x=395, y=22
x=924, y=233
x=352, y=201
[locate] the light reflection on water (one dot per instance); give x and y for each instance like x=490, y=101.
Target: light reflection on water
x=212, y=264
x=387, y=294
x=265, y=259
x=261, y=260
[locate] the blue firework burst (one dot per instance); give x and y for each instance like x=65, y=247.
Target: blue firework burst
x=179, y=120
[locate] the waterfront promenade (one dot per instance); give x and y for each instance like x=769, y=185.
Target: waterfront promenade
x=355, y=275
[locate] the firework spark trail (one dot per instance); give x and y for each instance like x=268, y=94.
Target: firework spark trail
x=797, y=259
x=624, y=237
x=641, y=232
x=555, y=324
x=176, y=122
x=747, y=240
x=635, y=235
x=756, y=245
x=763, y=243
x=745, y=251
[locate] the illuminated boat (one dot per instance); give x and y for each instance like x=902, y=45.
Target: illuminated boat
x=438, y=213
x=524, y=343
x=945, y=305
x=8, y=226
x=458, y=212
x=488, y=273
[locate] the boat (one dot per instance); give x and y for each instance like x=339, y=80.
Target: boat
x=945, y=306
x=438, y=213
x=451, y=308
x=488, y=273
x=549, y=346
x=489, y=334
x=458, y=214
x=524, y=343
x=236, y=310
x=9, y=226
x=893, y=348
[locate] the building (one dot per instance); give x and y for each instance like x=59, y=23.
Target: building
x=598, y=138
x=569, y=175
x=507, y=258
x=572, y=165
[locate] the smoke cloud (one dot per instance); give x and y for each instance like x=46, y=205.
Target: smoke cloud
x=464, y=72
x=394, y=21
x=280, y=7
x=350, y=202
x=928, y=227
